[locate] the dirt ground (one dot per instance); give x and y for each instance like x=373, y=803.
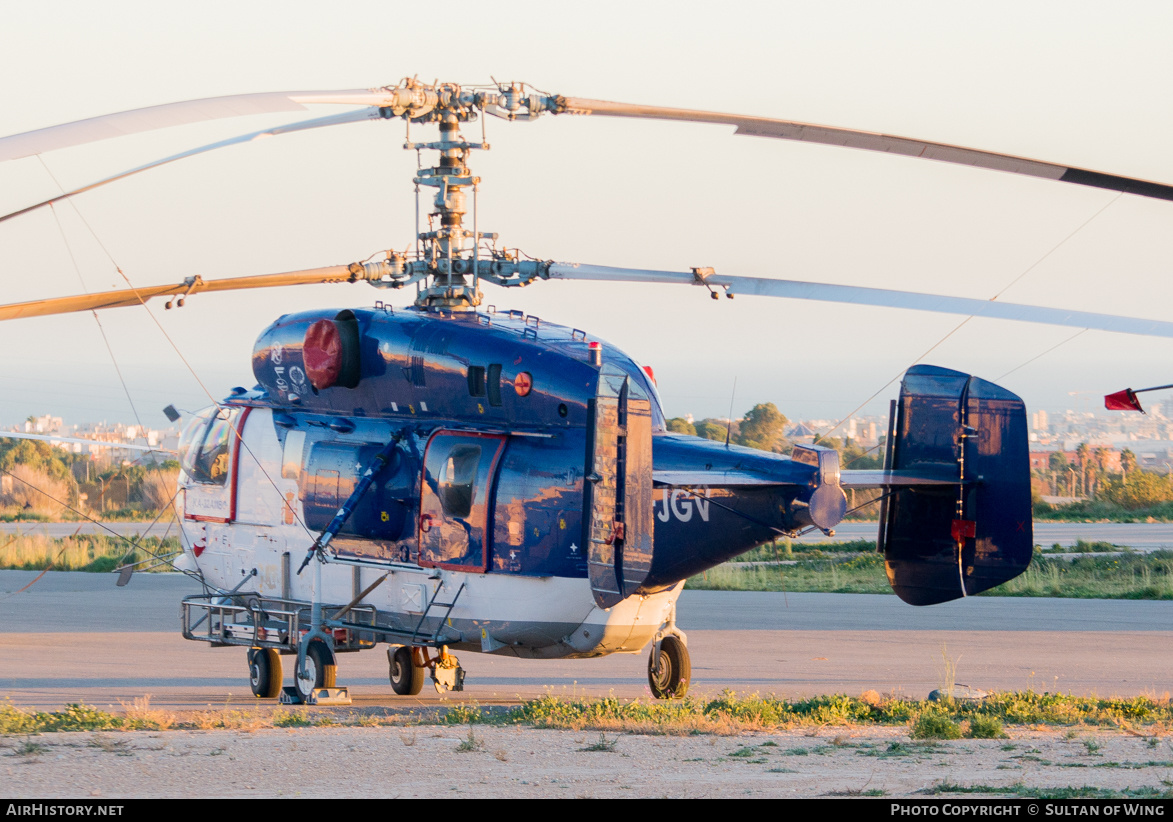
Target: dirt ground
x=493, y=761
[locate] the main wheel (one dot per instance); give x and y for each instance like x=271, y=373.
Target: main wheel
x=320, y=670
x=406, y=678
x=670, y=681
x=264, y=672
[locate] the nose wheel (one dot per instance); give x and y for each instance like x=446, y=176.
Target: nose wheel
x=669, y=669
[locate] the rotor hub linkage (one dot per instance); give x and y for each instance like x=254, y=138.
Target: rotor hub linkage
x=449, y=259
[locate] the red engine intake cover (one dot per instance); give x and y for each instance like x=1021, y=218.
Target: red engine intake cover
x=322, y=353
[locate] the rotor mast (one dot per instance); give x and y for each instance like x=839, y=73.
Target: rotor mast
x=450, y=261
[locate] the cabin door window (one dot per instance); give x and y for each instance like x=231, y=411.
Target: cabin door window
x=454, y=500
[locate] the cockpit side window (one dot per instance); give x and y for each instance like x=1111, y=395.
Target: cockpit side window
x=207, y=457
x=192, y=437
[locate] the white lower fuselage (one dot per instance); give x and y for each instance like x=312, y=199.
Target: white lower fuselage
x=246, y=524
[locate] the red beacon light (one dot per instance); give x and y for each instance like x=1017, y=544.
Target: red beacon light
x=596, y=352
x=651, y=374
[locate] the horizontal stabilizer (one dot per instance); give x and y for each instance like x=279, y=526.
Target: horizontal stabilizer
x=921, y=475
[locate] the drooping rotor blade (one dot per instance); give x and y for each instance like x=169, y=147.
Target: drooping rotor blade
x=175, y=114
x=887, y=298
x=372, y=113
x=871, y=141
x=193, y=285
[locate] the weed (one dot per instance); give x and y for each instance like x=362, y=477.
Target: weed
x=934, y=725
x=857, y=792
x=15, y=721
x=29, y=748
x=604, y=745
x=464, y=715
x=408, y=739
x=140, y=716
x=470, y=744
x=1093, y=747
x=986, y=727
x=948, y=672
x=893, y=749
x=78, y=717
x=119, y=747
x=500, y=755
x=951, y=787
x=291, y=719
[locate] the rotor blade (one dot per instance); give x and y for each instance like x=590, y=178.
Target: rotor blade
x=194, y=285
x=372, y=113
x=871, y=141
x=887, y=298
x=175, y=114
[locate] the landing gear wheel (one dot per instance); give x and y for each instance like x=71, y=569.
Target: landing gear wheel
x=320, y=670
x=406, y=678
x=264, y=672
x=670, y=680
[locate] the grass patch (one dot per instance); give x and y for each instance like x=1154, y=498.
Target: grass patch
x=985, y=727
x=727, y=714
x=98, y=553
x=934, y=725
x=1128, y=575
x=1020, y=790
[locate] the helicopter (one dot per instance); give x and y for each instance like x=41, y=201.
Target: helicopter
x=445, y=477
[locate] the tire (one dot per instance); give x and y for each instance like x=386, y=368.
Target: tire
x=264, y=672
x=321, y=670
x=406, y=678
x=672, y=680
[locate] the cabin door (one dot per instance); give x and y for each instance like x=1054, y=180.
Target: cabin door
x=454, y=499
x=619, y=514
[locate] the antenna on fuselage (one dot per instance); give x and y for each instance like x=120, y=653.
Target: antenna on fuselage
x=729, y=419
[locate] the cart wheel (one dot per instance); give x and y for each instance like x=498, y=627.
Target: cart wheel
x=671, y=680
x=406, y=678
x=264, y=672
x=320, y=670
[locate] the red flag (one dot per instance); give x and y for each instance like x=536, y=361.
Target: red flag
x=1123, y=401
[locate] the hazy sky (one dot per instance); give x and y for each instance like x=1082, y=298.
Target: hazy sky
x=1074, y=83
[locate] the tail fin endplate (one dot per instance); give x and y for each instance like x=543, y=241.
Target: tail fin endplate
x=943, y=542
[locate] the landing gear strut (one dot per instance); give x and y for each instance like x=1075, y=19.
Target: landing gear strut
x=669, y=668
